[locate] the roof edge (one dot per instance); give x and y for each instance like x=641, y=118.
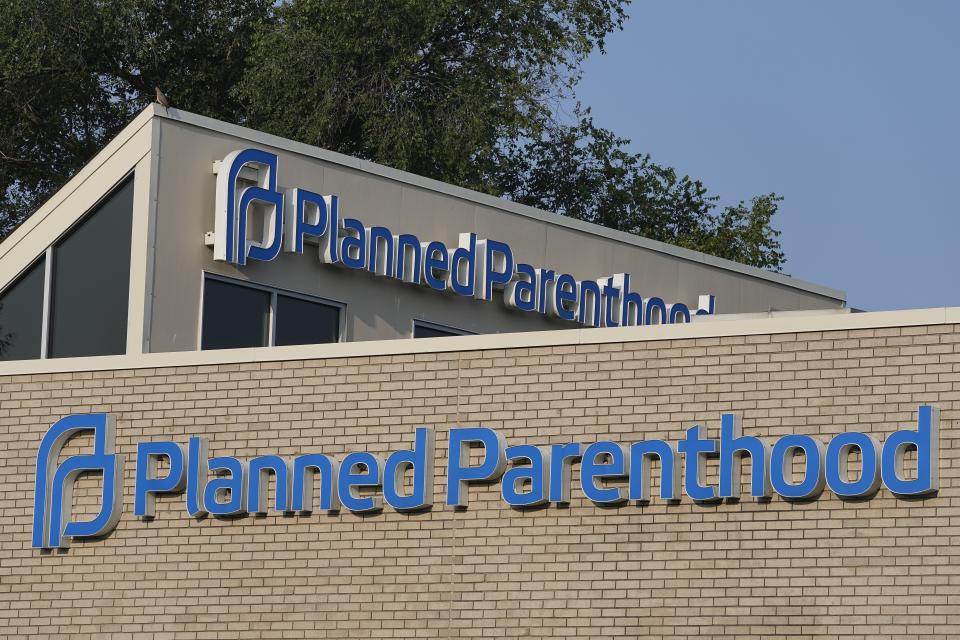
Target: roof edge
x=523, y=340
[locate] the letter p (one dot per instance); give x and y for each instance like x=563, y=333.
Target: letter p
x=148, y=484
x=459, y=472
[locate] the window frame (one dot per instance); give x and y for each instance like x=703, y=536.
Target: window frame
x=48, y=256
x=48, y=306
x=436, y=326
x=272, y=309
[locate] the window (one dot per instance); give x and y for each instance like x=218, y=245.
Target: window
x=234, y=316
x=21, y=315
x=301, y=321
x=237, y=315
x=91, y=281
x=423, y=329
x=84, y=282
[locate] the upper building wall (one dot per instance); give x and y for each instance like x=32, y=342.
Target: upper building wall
x=378, y=308
x=170, y=156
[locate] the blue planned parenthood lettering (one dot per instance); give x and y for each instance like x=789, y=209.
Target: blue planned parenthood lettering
x=529, y=475
x=475, y=268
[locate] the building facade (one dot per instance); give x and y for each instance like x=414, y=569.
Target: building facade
x=737, y=473
x=141, y=236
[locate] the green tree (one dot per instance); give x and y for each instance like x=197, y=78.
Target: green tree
x=429, y=86
x=586, y=172
x=465, y=92
x=74, y=72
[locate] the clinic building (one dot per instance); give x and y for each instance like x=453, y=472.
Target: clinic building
x=250, y=388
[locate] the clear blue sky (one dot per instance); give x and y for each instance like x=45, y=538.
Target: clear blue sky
x=851, y=110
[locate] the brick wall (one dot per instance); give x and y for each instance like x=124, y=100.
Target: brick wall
x=883, y=568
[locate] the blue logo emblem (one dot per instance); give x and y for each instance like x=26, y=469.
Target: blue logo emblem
x=231, y=243
x=53, y=527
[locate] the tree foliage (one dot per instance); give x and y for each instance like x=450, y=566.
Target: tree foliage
x=586, y=172
x=464, y=92
x=430, y=86
x=75, y=72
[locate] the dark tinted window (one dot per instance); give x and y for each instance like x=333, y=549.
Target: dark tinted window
x=234, y=316
x=91, y=281
x=433, y=331
x=21, y=315
x=305, y=322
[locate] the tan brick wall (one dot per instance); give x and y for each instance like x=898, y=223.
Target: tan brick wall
x=883, y=568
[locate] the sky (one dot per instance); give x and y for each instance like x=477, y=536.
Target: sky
x=849, y=109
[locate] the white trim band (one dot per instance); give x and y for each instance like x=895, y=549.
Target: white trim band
x=532, y=339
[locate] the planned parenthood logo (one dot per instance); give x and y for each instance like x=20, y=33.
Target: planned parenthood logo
x=53, y=526
x=529, y=475
x=257, y=220
x=231, y=243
